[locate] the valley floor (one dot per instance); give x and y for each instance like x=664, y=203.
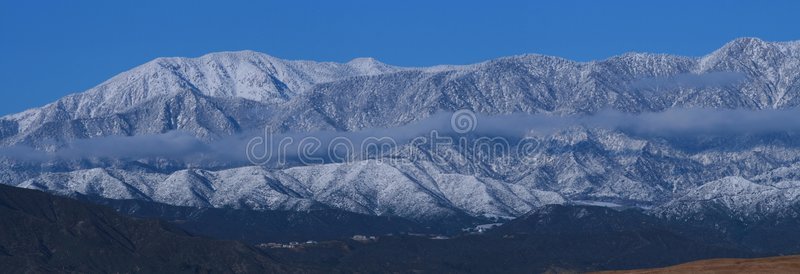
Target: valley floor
x=782, y=264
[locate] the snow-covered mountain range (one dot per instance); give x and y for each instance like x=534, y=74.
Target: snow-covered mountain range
x=220, y=95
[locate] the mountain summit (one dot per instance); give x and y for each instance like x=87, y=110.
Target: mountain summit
x=224, y=95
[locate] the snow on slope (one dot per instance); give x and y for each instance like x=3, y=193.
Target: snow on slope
x=369, y=187
x=245, y=74
x=739, y=196
x=225, y=93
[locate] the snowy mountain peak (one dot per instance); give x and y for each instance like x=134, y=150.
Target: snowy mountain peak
x=224, y=94
x=744, y=51
x=746, y=42
x=370, y=66
x=366, y=62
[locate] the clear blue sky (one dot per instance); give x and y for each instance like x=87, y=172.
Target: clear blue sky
x=50, y=49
